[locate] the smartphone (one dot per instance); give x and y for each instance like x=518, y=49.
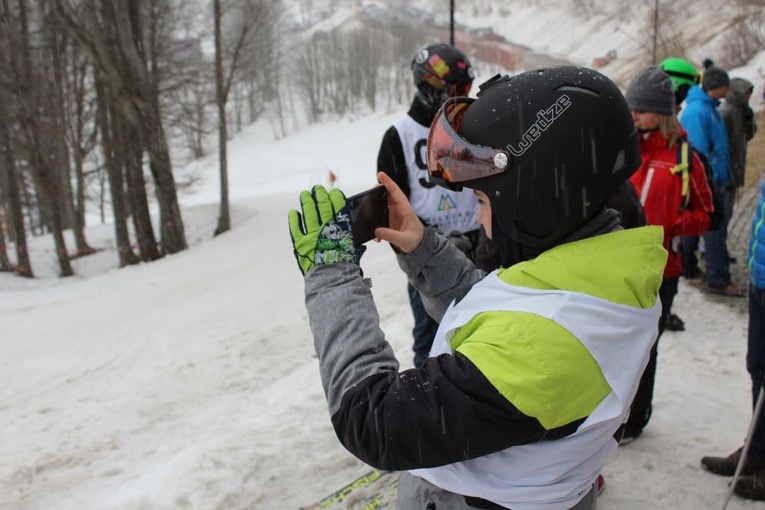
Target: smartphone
x=368, y=210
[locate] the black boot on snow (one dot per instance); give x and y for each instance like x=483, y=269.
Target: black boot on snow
x=674, y=323
x=726, y=466
x=752, y=487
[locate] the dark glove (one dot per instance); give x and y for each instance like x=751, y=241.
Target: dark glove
x=323, y=233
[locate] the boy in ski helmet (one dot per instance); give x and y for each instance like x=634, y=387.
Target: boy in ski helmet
x=440, y=71
x=534, y=365
x=683, y=76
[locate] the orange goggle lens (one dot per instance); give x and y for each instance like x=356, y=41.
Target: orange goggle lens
x=451, y=158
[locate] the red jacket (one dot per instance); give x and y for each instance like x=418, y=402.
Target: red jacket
x=660, y=192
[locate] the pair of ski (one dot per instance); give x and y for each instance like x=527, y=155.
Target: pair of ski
x=376, y=490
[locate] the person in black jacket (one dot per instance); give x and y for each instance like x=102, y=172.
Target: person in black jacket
x=740, y=125
x=440, y=71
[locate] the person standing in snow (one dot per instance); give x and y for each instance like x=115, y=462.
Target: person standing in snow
x=684, y=76
x=440, y=71
x=673, y=189
x=752, y=483
x=525, y=391
x=738, y=118
x=706, y=131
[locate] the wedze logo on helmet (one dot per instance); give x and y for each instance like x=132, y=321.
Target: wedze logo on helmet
x=545, y=119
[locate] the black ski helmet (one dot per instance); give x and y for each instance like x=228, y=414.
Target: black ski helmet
x=442, y=69
x=549, y=148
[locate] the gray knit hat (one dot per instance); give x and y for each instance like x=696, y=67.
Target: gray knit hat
x=714, y=77
x=651, y=91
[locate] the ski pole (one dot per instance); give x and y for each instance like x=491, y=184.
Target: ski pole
x=747, y=443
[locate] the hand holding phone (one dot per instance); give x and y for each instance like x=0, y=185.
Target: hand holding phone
x=368, y=210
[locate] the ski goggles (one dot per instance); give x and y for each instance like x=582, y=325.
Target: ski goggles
x=683, y=76
x=451, y=89
x=451, y=158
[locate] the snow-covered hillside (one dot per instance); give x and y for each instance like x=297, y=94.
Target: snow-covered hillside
x=580, y=31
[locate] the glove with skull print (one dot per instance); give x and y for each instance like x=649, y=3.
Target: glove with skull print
x=323, y=233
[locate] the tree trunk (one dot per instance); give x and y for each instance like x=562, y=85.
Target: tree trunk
x=43, y=175
x=131, y=154
x=171, y=221
x=5, y=263
x=8, y=178
x=29, y=203
x=14, y=212
x=116, y=183
x=153, y=138
x=83, y=125
x=224, y=218
x=116, y=47
x=73, y=220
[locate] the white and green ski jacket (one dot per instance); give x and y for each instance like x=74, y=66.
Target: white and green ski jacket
x=531, y=375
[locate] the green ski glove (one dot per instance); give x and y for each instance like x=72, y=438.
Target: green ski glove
x=323, y=233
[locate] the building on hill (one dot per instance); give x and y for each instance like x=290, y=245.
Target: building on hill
x=485, y=46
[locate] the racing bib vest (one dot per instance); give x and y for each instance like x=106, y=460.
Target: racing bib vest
x=445, y=210
x=618, y=337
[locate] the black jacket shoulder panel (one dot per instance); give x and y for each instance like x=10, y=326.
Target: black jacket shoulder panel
x=444, y=412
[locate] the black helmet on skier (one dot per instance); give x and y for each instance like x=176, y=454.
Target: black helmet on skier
x=441, y=71
x=548, y=147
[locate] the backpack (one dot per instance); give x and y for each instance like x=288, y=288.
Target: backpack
x=684, y=150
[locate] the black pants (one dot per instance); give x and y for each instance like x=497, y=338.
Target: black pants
x=642, y=408
x=755, y=365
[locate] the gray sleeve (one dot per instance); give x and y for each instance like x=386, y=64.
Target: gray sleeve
x=439, y=271
x=344, y=320
x=346, y=329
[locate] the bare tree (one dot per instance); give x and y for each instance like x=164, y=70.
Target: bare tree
x=261, y=66
x=669, y=40
x=82, y=129
x=308, y=78
x=14, y=213
x=190, y=100
x=144, y=65
x=365, y=58
x=746, y=36
x=5, y=262
x=274, y=77
x=221, y=96
x=115, y=173
x=244, y=19
x=8, y=171
x=130, y=154
x=119, y=50
x=35, y=140
x=56, y=44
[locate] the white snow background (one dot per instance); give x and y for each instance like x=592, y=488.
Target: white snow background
x=191, y=382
